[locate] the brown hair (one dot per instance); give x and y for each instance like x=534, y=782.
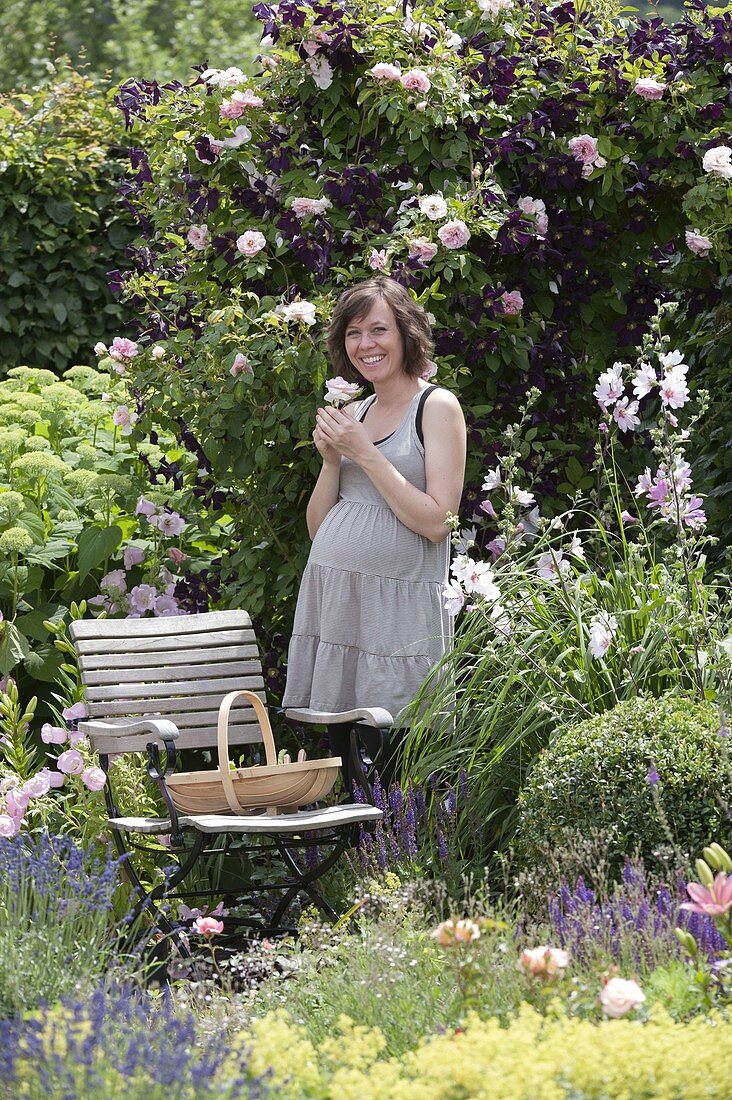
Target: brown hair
x=410, y=317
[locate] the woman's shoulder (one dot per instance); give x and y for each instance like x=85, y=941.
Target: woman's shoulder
x=437, y=398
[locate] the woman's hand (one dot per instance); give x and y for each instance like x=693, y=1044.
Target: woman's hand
x=341, y=432
x=330, y=456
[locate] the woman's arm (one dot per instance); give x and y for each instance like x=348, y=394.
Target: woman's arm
x=444, y=445
x=325, y=493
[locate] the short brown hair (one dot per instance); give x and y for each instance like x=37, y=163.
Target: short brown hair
x=410, y=317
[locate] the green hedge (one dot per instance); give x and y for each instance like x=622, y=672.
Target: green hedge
x=62, y=227
x=599, y=775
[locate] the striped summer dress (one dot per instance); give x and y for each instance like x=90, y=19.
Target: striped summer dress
x=370, y=621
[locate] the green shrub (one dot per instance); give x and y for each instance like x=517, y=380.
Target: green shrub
x=600, y=774
x=62, y=227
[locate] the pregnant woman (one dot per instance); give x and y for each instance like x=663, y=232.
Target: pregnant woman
x=370, y=621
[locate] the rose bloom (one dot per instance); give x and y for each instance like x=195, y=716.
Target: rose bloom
x=584, y=148
x=338, y=390
x=177, y=556
x=433, y=207
x=619, y=995
x=100, y=348
x=241, y=365
x=383, y=71
x=235, y=107
x=450, y=932
x=454, y=234
x=93, y=778
x=717, y=161
x=251, y=242
x=158, y=352
x=304, y=207
x=422, y=249
x=300, y=311
x=122, y=348
x=513, y=302
x=207, y=926
x=416, y=80
x=696, y=242
x=648, y=88
x=544, y=962
x=71, y=762
x=198, y=237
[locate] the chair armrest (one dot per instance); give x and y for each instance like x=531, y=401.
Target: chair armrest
x=127, y=734
x=369, y=716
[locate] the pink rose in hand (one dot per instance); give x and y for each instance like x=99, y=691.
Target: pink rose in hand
x=338, y=391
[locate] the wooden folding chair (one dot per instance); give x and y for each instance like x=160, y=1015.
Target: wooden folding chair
x=155, y=685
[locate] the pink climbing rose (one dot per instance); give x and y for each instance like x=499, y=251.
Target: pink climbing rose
x=454, y=234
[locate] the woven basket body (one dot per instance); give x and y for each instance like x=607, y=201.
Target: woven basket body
x=273, y=787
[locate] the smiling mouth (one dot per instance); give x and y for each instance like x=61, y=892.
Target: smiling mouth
x=371, y=360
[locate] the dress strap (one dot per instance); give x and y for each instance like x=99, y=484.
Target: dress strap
x=365, y=406
x=420, y=411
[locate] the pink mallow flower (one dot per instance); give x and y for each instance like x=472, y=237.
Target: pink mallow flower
x=674, y=390
x=625, y=416
x=710, y=901
x=241, y=365
x=513, y=302
x=114, y=583
x=648, y=88
x=207, y=926
x=142, y=598
x=602, y=631
x=93, y=778
x=71, y=762
x=384, y=71
x=251, y=243
x=145, y=508
x=166, y=605
x=416, y=80
x=584, y=148
x=454, y=234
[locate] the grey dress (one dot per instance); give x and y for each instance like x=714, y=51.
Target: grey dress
x=370, y=621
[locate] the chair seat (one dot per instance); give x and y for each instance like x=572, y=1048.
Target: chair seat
x=329, y=817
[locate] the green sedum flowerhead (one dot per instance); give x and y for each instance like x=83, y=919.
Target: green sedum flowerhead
x=12, y=439
x=11, y=504
x=15, y=540
x=33, y=467
x=81, y=481
x=37, y=443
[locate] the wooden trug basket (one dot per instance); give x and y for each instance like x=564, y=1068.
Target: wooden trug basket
x=271, y=786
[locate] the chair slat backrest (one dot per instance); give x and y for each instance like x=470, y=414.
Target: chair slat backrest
x=178, y=667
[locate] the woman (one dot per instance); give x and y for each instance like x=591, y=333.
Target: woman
x=370, y=621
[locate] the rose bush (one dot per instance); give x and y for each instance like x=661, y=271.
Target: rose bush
x=531, y=172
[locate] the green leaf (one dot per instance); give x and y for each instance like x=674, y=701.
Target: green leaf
x=95, y=544
x=14, y=648
x=32, y=623
x=60, y=211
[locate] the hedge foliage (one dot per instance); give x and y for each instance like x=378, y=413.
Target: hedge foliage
x=486, y=127
x=61, y=223
x=633, y=773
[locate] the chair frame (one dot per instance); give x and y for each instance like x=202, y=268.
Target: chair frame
x=152, y=685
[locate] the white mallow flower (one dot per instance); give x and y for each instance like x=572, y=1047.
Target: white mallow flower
x=575, y=548
x=493, y=8
x=501, y=622
x=224, y=78
x=644, y=381
x=551, y=565
x=674, y=390
x=433, y=207
x=523, y=497
x=674, y=360
x=610, y=386
x=454, y=597
x=602, y=631
x=466, y=540
x=492, y=480
x=476, y=577
x=625, y=416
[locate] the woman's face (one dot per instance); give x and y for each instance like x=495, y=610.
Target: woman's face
x=374, y=344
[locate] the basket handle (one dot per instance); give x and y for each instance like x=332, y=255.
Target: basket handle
x=223, y=741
